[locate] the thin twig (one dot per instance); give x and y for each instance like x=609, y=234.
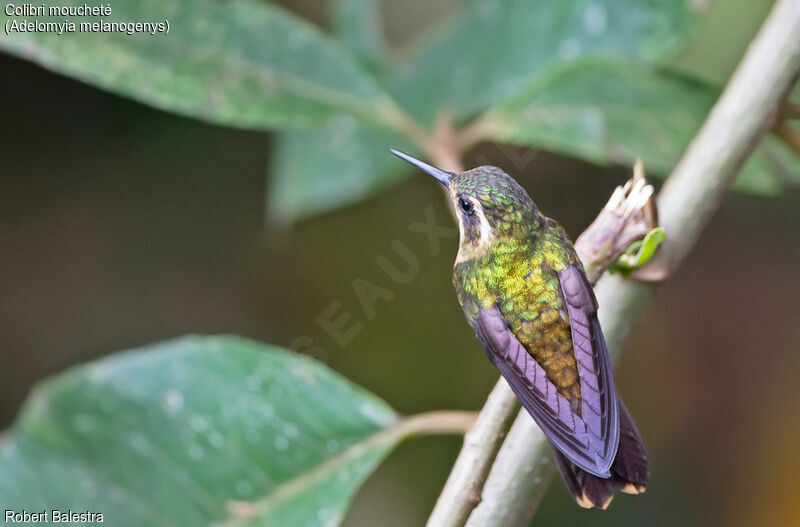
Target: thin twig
x=695, y=190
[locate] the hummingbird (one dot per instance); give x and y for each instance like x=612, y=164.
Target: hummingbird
x=524, y=292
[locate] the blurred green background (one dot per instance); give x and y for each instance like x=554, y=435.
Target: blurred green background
x=122, y=225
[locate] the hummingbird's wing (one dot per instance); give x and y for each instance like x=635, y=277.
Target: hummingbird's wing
x=586, y=431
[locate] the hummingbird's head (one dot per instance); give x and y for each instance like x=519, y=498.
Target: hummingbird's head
x=489, y=205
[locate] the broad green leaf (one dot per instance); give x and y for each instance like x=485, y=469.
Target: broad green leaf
x=357, y=25
x=316, y=171
x=606, y=112
x=498, y=47
x=242, y=63
x=197, y=431
x=721, y=39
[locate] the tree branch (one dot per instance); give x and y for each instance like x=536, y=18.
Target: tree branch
x=745, y=111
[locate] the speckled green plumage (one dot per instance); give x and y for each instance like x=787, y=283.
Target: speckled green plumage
x=518, y=272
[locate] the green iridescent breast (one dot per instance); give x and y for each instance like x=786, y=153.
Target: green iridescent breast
x=522, y=280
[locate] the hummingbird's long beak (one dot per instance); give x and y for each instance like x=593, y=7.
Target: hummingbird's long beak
x=440, y=175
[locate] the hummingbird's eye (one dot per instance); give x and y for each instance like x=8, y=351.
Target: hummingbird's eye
x=466, y=206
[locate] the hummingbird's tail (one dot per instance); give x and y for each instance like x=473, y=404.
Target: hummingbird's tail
x=629, y=472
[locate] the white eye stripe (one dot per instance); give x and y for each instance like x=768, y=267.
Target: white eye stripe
x=486, y=230
x=467, y=249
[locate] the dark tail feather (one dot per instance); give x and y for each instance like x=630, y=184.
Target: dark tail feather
x=588, y=490
x=629, y=473
x=631, y=468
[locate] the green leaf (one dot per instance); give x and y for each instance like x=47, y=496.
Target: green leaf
x=313, y=171
x=357, y=25
x=316, y=171
x=605, y=111
x=499, y=47
x=197, y=431
x=242, y=63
